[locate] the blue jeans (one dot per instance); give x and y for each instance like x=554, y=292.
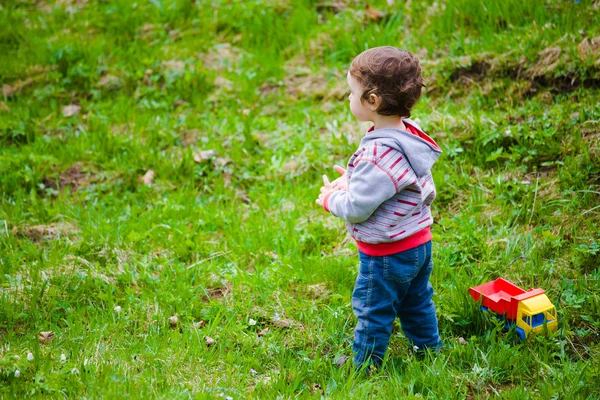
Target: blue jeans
x=388, y=287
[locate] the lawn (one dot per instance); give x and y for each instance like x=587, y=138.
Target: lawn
x=159, y=165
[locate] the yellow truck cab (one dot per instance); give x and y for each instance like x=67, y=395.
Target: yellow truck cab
x=535, y=312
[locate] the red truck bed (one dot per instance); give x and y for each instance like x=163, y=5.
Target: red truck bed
x=502, y=297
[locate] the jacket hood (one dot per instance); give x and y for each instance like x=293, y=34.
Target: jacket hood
x=420, y=150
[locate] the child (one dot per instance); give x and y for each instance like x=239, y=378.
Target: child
x=385, y=195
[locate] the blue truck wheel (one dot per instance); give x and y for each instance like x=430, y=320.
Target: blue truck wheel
x=521, y=334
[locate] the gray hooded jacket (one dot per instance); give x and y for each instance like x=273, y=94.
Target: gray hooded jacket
x=390, y=187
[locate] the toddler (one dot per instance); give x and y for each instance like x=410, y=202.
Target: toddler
x=385, y=195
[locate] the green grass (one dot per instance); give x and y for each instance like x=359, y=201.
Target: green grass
x=236, y=240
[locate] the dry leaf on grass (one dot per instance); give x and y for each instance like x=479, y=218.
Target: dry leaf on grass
x=209, y=341
x=374, y=14
x=45, y=337
x=204, y=155
x=263, y=332
x=173, y=321
x=199, y=324
x=341, y=360
x=70, y=110
x=109, y=82
x=148, y=178
x=462, y=341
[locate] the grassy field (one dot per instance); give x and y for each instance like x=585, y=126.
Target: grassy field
x=159, y=163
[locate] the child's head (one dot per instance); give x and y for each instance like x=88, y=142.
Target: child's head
x=384, y=80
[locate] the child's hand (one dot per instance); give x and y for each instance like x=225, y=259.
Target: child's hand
x=340, y=183
x=326, y=189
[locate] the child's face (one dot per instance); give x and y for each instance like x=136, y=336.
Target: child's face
x=360, y=109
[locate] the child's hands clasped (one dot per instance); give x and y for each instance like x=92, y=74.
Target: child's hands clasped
x=329, y=187
x=340, y=183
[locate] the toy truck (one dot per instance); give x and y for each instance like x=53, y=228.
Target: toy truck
x=531, y=310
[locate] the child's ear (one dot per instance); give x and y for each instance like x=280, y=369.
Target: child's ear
x=374, y=101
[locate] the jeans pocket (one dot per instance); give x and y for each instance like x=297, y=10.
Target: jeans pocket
x=402, y=267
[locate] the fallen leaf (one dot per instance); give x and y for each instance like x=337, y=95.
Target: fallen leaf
x=45, y=337
x=374, y=14
x=271, y=254
x=263, y=332
x=199, y=324
x=204, y=155
x=148, y=177
x=341, y=360
x=173, y=321
x=462, y=341
x=109, y=82
x=209, y=341
x=69, y=111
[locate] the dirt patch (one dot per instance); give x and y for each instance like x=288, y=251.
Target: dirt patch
x=590, y=133
x=334, y=7
x=39, y=74
x=74, y=177
x=38, y=233
x=318, y=291
x=300, y=82
x=548, y=60
x=221, y=57
x=542, y=75
x=217, y=292
x=477, y=70
x=589, y=49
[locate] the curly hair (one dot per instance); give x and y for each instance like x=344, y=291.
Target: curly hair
x=392, y=74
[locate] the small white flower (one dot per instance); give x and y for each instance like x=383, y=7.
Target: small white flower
x=117, y=309
x=74, y=371
x=416, y=348
x=252, y=322
x=85, y=362
x=63, y=358
x=253, y=371
x=17, y=373
x=29, y=356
